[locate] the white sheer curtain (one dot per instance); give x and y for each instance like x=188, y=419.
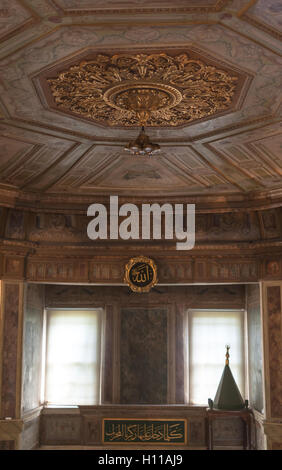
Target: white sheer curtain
x=73, y=346
x=208, y=333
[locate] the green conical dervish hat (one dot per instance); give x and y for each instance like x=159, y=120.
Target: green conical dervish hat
x=228, y=396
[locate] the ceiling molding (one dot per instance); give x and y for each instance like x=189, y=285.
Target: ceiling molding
x=217, y=6
x=23, y=24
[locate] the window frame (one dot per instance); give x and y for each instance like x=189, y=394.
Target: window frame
x=101, y=311
x=187, y=368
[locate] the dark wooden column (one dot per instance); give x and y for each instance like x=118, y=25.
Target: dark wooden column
x=272, y=300
x=11, y=363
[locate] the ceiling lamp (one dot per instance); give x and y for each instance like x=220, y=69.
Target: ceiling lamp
x=142, y=100
x=142, y=145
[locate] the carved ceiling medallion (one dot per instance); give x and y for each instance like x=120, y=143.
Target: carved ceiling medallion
x=152, y=89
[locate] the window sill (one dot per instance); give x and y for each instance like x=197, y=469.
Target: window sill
x=60, y=409
x=78, y=409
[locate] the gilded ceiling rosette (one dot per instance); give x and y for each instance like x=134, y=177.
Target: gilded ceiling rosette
x=149, y=89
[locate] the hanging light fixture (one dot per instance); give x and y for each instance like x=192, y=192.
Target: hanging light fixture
x=142, y=145
x=142, y=101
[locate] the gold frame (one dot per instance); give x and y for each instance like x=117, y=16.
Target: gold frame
x=128, y=266
x=146, y=443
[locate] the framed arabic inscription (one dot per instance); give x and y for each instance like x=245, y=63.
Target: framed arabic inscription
x=145, y=431
x=141, y=274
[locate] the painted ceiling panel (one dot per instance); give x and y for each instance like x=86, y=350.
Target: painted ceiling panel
x=45, y=150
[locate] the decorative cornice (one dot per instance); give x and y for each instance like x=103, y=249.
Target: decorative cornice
x=77, y=204
x=20, y=28
x=264, y=27
x=219, y=5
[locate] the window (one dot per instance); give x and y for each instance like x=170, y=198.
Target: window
x=72, y=368
x=208, y=333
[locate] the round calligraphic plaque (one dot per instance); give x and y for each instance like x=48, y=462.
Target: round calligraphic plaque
x=141, y=274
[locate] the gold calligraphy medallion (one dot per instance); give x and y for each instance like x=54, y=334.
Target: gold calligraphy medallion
x=141, y=274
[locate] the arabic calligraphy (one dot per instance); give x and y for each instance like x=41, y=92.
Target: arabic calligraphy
x=145, y=431
x=141, y=274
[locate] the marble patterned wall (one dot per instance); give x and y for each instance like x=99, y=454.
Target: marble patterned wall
x=117, y=299
x=84, y=425
x=142, y=338
x=143, y=356
x=32, y=346
x=220, y=296
x=255, y=346
x=30, y=434
x=258, y=437
x=60, y=429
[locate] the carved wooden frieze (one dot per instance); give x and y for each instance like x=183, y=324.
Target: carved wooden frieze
x=62, y=228
x=62, y=271
x=110, y=270
x=169, y=272
x=224, y=270
x=104, y=271
x=15, y=225
x=47, y=227
x=228, y=226
x=13, y=267
x=175, y=270
x=271, y=223
x=272, y=268
x=32, y=241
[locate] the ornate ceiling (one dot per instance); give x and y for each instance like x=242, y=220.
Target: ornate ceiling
x=129, y=89
x=54, y=146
